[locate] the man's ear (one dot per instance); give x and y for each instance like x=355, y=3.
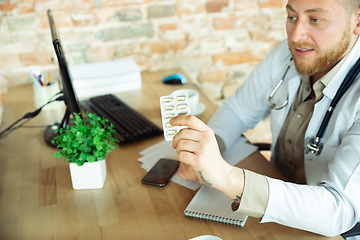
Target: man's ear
x=357, y=21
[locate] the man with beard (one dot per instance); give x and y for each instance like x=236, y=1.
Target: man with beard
x=322, y=194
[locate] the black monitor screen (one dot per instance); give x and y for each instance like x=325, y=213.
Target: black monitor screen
x=70, y=96
x=71, y=102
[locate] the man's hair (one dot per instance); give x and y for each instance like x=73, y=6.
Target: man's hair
x=350, y=6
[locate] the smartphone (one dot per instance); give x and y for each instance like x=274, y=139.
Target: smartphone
x=161, y=172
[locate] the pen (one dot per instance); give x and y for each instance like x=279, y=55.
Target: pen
x=39, y=78
x=44, y=82
x=48, y=79
x=35, y=80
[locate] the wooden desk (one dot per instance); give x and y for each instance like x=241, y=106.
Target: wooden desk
x=37, y=200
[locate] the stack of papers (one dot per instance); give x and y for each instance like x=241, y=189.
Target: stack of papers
x=239, y=151
x=93, y=79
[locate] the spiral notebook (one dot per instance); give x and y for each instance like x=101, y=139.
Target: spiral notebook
x=211, y=204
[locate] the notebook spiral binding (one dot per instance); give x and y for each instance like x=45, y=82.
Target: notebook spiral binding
x=212, y=218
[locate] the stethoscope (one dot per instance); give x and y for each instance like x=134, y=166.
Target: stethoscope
x=314, y=144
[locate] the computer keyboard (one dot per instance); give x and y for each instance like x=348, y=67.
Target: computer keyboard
x=129, y=124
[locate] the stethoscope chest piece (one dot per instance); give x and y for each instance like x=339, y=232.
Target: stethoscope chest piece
x=314, y=146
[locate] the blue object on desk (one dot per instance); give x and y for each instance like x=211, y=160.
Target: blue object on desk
x=177, y=78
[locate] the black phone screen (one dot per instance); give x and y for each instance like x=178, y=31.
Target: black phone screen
x=161, y=172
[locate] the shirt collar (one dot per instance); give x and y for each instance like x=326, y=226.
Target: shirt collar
x=333, y=86
x=327, y=77
x=317, y=88
x=320, y=85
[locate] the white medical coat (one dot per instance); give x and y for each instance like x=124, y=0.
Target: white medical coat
x=330, y=202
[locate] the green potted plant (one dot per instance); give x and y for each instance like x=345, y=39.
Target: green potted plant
x=85, y=145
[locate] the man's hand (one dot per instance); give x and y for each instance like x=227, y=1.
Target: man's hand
x=186, y=172
x=197, y=149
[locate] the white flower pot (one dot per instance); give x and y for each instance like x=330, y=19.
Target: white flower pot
x=88, y=176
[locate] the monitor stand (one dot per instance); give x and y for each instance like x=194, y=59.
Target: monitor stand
x=50, y=131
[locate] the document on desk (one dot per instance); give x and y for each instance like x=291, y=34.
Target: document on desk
x=98, y=78
x=239, y=151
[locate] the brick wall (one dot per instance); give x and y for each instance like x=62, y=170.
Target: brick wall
x=216, y=42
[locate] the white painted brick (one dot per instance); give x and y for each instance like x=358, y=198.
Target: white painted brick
x=197, y=62
x=212, y=91
x=193, y=30
x=17, y=42
x=211, y=43
x=237, y=39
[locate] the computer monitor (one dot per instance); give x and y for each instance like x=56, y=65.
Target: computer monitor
x=71, y=101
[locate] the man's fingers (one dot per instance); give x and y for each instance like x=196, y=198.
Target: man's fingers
x=186, y=134
x=186, y=172
x=186, y=157
x=189, y=120
x=196, y=128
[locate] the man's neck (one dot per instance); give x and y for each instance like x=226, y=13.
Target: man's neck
x=317, y=76
x=314, y=78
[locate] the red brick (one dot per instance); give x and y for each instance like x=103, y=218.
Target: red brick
x=8, y=6
x=109, y=3
x=259, y=20
x=103, y=15
x=272, y=3
x=236, y=58
x=22, y=6
x=213, y=76
x=189, y=25
x=224, y=23
x=38, y=58
x=189, y=7
x=245, y=4
x=259, y=36
x=62, y=20
x=26, y=7
x=156, y=47
x=260, y=29
x=179, y=45
x=166, y=27
x=44, y=5
x=83, y=19
x=216, y=5
x=146, y=63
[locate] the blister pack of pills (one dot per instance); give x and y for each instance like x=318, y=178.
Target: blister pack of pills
x=172, y=106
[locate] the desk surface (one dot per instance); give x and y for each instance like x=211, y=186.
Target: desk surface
x=37, y=200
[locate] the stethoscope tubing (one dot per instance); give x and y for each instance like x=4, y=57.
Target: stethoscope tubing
x=314, y=145
x=346, y=83
x=273, y=105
